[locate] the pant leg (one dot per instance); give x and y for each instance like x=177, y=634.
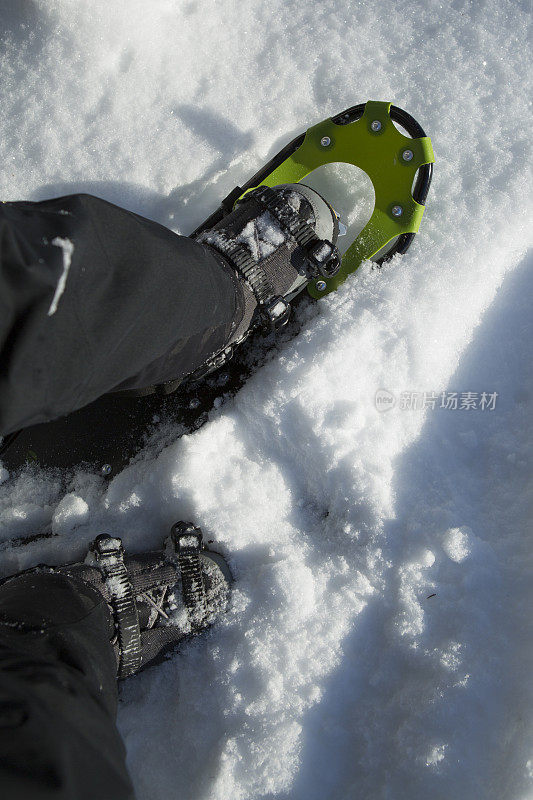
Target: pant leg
x=58, y=693
x=93, y=298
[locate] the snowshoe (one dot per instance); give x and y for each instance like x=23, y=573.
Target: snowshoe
x=155, y=599
x=399, y=166
x=107, y=433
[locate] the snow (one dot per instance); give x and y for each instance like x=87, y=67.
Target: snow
x=68, y=248
x=70, y=512
x=456, y=543
x=261, y=237
x=378, y=642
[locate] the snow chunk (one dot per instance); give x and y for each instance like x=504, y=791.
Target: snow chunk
x=71, y=512
x=456, y=543
x=436, y=755
x=427, y=558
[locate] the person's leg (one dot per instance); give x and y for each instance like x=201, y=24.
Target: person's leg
x=92, y=296
x=94, y=299
x=68, y=632
x=58, y=693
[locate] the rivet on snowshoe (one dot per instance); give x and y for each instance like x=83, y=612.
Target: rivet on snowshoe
x=375, y=125
x=407, y=155
x=325, y=141
x=397, y=211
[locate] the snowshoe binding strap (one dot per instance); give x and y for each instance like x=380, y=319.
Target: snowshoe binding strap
x=322, y=256
x=187, y=542
x=399, y=166
x=108, y=555
x=273, y=309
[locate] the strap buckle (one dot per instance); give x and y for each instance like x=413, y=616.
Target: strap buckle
x=276, y=312
x=187, y=542
x=324, y=257
x=186, y=538
x=107, y=550
x=108, y=554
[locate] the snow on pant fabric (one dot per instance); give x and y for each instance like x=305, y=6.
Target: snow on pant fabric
x=58, y=693
x=95, y=298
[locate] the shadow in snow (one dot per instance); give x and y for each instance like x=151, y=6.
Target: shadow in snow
x=443, y=707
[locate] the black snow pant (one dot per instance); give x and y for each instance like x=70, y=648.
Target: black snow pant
x=94, y=298
x=58, y=693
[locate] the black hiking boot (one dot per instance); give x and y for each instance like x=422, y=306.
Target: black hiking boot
x=277, y=240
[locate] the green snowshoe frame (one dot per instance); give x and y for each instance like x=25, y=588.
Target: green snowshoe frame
x=400, y=168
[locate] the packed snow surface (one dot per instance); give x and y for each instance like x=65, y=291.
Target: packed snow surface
x=378, y=643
